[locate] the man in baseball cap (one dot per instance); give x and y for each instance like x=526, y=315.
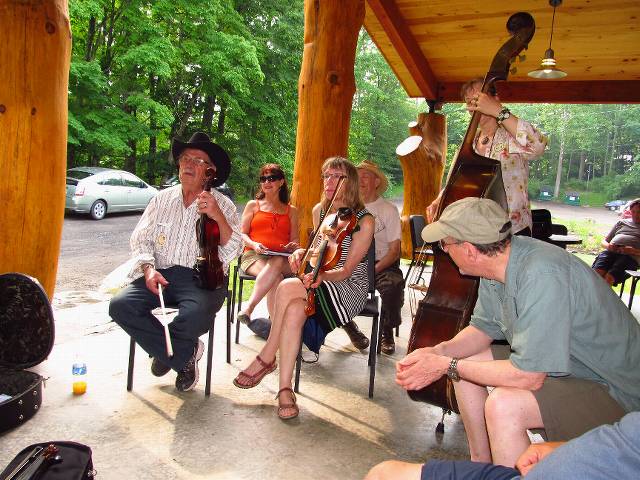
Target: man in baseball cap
x=570, y=363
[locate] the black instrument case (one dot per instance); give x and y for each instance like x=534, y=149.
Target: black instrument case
x=27, y=334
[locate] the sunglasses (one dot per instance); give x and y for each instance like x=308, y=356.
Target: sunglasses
x=270, y=178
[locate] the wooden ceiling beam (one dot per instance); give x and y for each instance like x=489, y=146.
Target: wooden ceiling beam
x=564, y=91
x=405, y=45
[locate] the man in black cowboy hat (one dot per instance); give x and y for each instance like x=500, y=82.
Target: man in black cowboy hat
x=164, y=246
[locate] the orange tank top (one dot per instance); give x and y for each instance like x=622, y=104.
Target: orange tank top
x=273, y=230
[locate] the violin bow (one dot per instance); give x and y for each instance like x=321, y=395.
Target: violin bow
x=165, y=323
x=315, y=234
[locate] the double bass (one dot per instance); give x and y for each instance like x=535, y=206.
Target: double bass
x=447, y=307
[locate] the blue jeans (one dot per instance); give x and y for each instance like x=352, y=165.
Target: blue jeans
x=131, y=309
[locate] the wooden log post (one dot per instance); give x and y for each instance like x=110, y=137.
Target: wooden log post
x=35, y=39
x=422, y=157
x=325, y=95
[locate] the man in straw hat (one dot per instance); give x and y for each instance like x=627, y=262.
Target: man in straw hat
x=573, y=350
x=389, y=278
x=164, y=246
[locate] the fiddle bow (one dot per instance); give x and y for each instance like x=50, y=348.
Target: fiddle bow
x=328, y=237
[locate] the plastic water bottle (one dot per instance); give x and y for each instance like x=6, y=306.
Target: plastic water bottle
x=79, y=371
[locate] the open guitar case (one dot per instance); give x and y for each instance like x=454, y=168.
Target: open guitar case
x=27, y=333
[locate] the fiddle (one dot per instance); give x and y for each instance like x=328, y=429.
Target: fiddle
x=325, y=248
x=208, y=271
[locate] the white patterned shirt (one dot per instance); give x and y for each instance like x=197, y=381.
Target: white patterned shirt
x=514, y=155
x=166, y=233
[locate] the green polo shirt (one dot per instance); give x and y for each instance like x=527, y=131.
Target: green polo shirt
x=561, y=318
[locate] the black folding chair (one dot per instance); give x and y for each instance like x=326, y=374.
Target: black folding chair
x=207, y=389
x=420, y=253
x=371, y=309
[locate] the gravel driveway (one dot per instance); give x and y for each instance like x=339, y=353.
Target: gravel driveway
x=91, y=249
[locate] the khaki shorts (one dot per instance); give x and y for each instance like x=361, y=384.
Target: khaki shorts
x=570, y=406
x=250, y=257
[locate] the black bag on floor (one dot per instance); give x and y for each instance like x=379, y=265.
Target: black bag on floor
x=67, y=461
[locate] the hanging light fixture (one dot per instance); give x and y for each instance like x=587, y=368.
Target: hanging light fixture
x=548, y=67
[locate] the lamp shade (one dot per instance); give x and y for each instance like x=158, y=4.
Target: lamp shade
x=548, y=68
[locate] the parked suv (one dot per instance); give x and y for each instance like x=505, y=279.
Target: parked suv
x=96, y=191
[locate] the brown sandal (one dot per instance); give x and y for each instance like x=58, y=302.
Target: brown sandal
x=287, y=405
x=256, y=378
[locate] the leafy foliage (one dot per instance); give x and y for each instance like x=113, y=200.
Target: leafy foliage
x=146, y=71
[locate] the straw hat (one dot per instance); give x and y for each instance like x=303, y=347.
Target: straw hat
x=373, y=168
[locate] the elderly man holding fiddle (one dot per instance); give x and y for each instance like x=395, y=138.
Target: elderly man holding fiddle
x=165, y=247
x=340, y=291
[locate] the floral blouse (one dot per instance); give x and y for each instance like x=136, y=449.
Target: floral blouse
x=514, y=155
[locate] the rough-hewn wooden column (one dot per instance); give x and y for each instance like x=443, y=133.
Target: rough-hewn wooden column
x=325, y=94
x=422, y=157
x=35, y=46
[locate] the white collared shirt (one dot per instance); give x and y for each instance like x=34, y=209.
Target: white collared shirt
x=166, y=233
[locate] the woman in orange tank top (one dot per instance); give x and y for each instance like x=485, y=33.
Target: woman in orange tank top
x=269, y=225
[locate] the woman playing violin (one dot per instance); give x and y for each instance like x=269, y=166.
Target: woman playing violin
x=340, y=293
x=269, y=223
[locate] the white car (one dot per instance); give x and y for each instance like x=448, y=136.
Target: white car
x=96, y=191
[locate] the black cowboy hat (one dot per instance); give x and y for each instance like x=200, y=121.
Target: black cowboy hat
x=217, y=154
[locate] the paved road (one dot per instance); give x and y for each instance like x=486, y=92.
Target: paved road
x=91, y=249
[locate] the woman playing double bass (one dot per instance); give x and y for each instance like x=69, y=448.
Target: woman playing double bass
x=512, y=141
x=340, y=293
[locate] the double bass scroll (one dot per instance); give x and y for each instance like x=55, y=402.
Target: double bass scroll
x=451, y=297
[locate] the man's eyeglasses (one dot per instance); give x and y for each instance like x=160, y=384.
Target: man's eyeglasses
x=335, y=176
x=444, y=245
x=270, y=178
x=194, y=161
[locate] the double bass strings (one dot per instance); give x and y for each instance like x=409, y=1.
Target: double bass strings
x=417, y=284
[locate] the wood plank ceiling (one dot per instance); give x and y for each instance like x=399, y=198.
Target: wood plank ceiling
x=434, y=46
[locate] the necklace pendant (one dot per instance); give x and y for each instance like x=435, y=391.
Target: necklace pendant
x=484, y=140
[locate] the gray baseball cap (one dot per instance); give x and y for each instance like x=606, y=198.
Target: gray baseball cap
x=475, y=220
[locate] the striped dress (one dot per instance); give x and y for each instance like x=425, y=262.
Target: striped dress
x=338, y=302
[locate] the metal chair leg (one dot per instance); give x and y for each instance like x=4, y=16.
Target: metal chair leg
x=207, y=388
x=229, y=321
x=372, y=356
x=132, y=356
x=296, y=383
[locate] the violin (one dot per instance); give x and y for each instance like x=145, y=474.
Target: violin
x=208, y=271
x=325, y=248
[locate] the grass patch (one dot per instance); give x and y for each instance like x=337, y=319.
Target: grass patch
x=586, y=230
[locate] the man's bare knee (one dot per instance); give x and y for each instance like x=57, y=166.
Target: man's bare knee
x=395, y=470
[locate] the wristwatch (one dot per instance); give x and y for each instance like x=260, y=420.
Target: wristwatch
x=452, y=372
x=503, y=115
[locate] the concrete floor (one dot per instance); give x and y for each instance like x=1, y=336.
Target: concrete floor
x=157, y=432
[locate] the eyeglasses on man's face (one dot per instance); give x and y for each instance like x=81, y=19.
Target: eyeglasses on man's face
x=444, y=245
x=335, y=176
x=270, y=178
x=194, y=161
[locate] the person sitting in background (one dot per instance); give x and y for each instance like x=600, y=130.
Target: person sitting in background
x=512, y=141
x=165, y=247
x=388, y=234
x=622, y=248
x=269, y=224
x=606, y=452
